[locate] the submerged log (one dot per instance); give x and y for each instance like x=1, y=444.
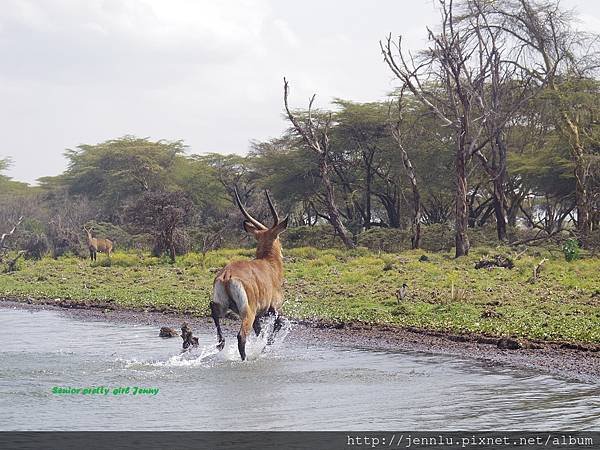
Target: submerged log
x=168, y=332
x=187, y=336
x=509, y=344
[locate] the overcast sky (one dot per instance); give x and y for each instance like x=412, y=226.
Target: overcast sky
x=207, y=72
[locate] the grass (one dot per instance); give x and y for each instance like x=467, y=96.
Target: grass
x=342, y=286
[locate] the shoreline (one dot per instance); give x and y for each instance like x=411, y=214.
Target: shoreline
x=570, y=361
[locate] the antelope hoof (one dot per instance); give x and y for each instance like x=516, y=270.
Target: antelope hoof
x=221, y=345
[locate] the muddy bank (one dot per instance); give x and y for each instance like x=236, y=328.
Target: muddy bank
x=568, y=360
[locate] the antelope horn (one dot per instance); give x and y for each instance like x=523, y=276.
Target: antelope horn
x=272, y=208
x=246, y=214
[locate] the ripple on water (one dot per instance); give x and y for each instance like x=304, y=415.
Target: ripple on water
x=289, y=385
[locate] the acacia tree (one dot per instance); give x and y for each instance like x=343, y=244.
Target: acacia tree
x=472, y=78
x=447, y=78
x=562, y=56
x=113, y=172
x=316, y=136
x=508, y=87
x=361, y=151
x=162, y=214
x=291, y=174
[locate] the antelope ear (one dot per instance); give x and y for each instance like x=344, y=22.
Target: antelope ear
x=281, y=226
x=249, y=227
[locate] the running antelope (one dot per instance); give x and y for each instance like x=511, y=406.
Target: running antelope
x=253, y=288
x=98, y=245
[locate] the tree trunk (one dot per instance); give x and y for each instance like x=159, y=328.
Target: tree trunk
x=499, y=188
x=513, y=206
x=462, y=217
x=391, y=209
x=581, y=197
x=171, y=241
x=334, y=214
x=571, y=130
x=416, y=224
x=486, y=215
x=416, y=220
x=369, y=182
x=500, y=210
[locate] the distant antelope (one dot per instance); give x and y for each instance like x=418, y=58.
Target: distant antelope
x=252, y=288
x=98, y=245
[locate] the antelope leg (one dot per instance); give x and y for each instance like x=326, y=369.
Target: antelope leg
x=216, y=314
x=256, y=325
x=276, y=326
x=244, y=330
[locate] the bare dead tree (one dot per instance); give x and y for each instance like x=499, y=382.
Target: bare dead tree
x=556, y=53
x=448, y=78
x=395, y=129
x=507, y=89
x=3, y=246
x=473, y=80
x=316, y=137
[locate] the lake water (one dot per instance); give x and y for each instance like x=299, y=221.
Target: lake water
x=293, y=384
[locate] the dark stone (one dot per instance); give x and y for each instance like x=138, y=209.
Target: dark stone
x=424, y=258
x=496, y=261
x=509, y=344
x=167, y=332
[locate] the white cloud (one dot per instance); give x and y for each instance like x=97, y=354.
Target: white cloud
x=137, y=41
x=287, y=33
x=209, y=72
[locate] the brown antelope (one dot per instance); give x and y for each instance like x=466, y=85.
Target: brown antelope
x=98, y=245
x=254, y=288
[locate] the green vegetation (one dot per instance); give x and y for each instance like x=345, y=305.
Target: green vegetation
x=571, y=249
x=349, y=285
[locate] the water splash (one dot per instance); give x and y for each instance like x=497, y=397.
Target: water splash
x=256, y=347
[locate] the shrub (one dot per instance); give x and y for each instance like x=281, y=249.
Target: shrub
x=164, y=215
x=593, y=241
x=181, y=243
x=318, y=236
x=388, y=240
x=303, y=252
x=571, y=249
x=118, y=259
x=323, y=260
x=437, y=237
x=359, y=252
x=36, y=246
x=13, y=262
x=64, y=241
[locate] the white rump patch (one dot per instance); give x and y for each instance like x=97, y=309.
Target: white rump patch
x=220, y=296
x=238, y=295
